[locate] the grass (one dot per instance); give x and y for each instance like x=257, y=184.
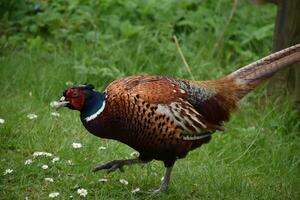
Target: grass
x=256, y=158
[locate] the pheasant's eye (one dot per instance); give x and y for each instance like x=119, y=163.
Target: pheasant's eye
x=75, y=95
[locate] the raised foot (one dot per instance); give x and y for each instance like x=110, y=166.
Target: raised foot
x=111, y=166
x=116, y=164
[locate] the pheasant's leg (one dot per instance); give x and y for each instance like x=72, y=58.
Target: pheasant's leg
x=116, y=164
x=165, y=183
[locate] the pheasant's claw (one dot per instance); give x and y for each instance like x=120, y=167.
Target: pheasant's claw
x=110, y=166
x=164, y=184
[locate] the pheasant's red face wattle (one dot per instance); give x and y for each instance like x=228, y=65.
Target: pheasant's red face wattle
x=76, y=97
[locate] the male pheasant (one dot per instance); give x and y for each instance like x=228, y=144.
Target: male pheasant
x=164, y=118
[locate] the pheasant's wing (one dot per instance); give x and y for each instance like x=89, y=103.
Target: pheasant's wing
x=172, y=100
x=153, y=89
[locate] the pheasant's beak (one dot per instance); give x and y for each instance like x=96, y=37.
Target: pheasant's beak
x=59, y=104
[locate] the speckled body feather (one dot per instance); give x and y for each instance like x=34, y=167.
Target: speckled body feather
x=162, y=118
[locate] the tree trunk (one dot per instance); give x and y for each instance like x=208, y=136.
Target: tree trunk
x=287, y=33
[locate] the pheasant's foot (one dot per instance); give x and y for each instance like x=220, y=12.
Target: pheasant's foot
x=115, y=164
x=165, y=183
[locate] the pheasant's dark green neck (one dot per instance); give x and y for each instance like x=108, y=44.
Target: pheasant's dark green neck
x=94, y=105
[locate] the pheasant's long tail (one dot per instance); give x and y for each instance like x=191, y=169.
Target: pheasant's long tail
x=249, y=77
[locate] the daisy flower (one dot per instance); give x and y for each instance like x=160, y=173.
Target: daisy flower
x=76, y=145
x=40, y=153
x=49, y=179
x=53, y=194
x=28, y=162
x=103, y=180
x=32, y=116
x=2, y=121
x=55, y=114
x=123, y=181
x=45, y=166
x=82, y=192
x=134, y=154
x=8, y=171
x=69, y=83
x=70, y=162
x=102, y=148
x=135, y=190
x=55, y=159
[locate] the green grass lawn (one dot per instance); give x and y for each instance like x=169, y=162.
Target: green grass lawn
x=257, y=157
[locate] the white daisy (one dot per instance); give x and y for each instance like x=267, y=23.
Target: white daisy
x=28, y=162
x=8, y=171
x=49, y=179
x=55, y=114
x=82, y=192
x=135, y=190
x=2, y=121
x=102, y=148
x=32, y=116
x=55, y=159
x=103, y=180
x=134, y=154
x=45, y=166
x=70, y=162
x=123, y=181
x=76, y=145
x=69, y=83
x=40, y=153
x=53, y=194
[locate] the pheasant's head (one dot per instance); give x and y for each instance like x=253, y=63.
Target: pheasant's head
x=75, y=97
x=82, y=98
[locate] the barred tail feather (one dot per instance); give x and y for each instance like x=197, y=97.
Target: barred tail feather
x=250, y=76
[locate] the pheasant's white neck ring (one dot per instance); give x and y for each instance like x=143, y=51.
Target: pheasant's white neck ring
x=93, y=116
x=94, y=106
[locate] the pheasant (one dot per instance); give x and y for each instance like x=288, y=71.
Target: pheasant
x=163, y=118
